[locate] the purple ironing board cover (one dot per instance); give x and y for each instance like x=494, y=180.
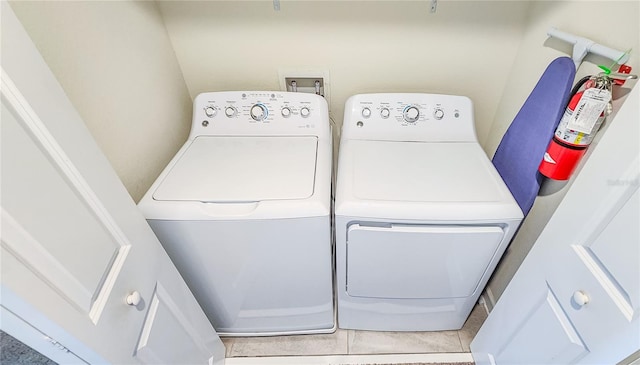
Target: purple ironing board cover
x=525, y=142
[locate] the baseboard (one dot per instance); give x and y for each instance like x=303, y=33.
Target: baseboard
x=353, y=359
x=487, y=300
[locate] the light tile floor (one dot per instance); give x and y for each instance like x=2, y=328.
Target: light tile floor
x=346, y=342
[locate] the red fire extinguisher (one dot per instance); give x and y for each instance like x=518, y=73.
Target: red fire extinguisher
x=579, y=125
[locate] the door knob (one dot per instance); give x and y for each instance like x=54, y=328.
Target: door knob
x=133, y=298
x=580, y=298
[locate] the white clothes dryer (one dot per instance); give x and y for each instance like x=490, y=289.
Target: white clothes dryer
x=421, y=215
x=243, y=210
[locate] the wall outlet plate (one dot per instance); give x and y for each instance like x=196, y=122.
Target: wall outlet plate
x=305, y=81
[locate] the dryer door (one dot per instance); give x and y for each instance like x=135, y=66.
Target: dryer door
x=418, y=261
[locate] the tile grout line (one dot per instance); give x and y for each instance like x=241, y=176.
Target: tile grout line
x=460, y=339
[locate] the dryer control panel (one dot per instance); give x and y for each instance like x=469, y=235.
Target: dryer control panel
x=259, y=113
x=409, y=117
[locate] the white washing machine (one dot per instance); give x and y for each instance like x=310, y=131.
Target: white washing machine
x=244, y=212
x=421, y=215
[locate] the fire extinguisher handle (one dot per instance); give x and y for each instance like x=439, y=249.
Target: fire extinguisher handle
x=579, y=84
x=621, y=76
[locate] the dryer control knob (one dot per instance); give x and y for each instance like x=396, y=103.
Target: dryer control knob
x=230, y=111
x=286, y=112
x=259, y=112
x=366, y=112
x=411, y=113
x=385, y=113
x=210, y=111
x=305, y=112
x=438, y=113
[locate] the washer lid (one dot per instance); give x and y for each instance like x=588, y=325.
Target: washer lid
x=425, y=172
x=242, y=169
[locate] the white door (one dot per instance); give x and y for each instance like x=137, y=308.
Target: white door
x=79, y=263
x=576, y=297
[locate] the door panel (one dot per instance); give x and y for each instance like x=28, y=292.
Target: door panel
x=619, y=266
x=61, y=238
x=560, y=345
x=167, y=336
x=615, y=295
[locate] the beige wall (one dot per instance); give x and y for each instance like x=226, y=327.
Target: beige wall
x=115, y=61
x=467, y=47
x=614, y=24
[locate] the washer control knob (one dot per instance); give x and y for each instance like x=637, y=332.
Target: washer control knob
x=385, y=113
x=259, y=112
x=230, y=111
x=210, y=111
x=366, y=112
x=286, y=112
x=411, y=113
x=438, y=113
x=305, y=112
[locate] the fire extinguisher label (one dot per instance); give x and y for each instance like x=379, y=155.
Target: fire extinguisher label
x=572, y=136
x=588, y=110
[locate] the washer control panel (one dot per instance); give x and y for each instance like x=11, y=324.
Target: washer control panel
x=258, y=113
x=409, y=117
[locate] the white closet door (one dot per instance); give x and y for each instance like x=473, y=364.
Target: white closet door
x=576, y=297
x=74, y=246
